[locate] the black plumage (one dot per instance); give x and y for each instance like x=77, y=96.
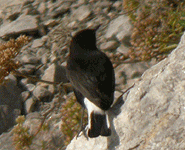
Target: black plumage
x=92, y=75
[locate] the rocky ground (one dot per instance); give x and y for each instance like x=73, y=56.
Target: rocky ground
x=51, y=23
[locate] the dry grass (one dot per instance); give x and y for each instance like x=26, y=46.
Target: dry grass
x=158, y=26
x=8, y=51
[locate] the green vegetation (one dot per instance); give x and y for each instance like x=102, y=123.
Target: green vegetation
x=71, y=116
x=157, y=27
x=21, y=137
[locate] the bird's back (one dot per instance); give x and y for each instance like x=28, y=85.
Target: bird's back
x=92, y=74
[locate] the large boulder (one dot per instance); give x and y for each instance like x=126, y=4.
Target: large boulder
x=153, y=114
x=10, y=103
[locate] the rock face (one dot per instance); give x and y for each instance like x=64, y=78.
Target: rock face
x=153, y=115
x=22, y=25
x=10, y=103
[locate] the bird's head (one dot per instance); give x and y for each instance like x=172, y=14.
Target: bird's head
x=86, y=38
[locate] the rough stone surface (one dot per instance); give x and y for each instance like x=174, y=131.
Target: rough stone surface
x=10, y=103
x=37, y=43
x=82, y=12
x=42, y=93
x=119, y=25
x=23, y=24
x=54, y=73
x=110, y=45
x=153, y=115
x=29, y=105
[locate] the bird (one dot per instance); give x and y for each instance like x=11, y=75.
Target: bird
x=92, y=76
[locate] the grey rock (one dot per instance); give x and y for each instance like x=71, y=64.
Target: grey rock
x=29, y=105
x=10, y=9
x=50, y=22
x=41, y=51
x=119, y=28
x=82, y=12
x=29, y=59
x=27, y=69
x=42, y=8
x=123, y=49
x=44, y=59
x=61, y=10
x=103, y=4
x=12, y=79
x=110, y=45
x=5, y=139
x=23, y=24
x=24, y=81
x=118, y=5
x=153, y=115
x=54, y=73
x=25, y=95
x=42, y=93
x=10, y=103
x=125, y=72
x=30, y=87
x=37, y=43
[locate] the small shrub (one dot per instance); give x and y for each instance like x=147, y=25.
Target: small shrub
x=8, y=51
x=71, y=117
x=158, y=26
x=21, y=137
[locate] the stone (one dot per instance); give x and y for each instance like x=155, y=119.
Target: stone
x=123, y=49
x=24, y=81
x=44, y=59
x=61, y=10
x=153, y=114
x=40, y=52
x=54, y=73
x=30, y=87
x=23, y=24
x=10, y=103
x=25, y=95
x=82, y=13
x=42, y=93
x=109, y=46
x=50, y=23
x=42, y=8
x=119, y=27
x=29, y=105
x=11, y=9
x=37, y=43
x=5, y=139
x=29, y=59
x=27, y=69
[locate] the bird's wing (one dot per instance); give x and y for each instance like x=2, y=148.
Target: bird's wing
x=95, y=81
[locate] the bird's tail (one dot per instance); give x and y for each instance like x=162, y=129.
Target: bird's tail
x=98, y=125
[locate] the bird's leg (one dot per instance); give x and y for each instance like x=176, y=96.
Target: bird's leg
x=82, y=128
